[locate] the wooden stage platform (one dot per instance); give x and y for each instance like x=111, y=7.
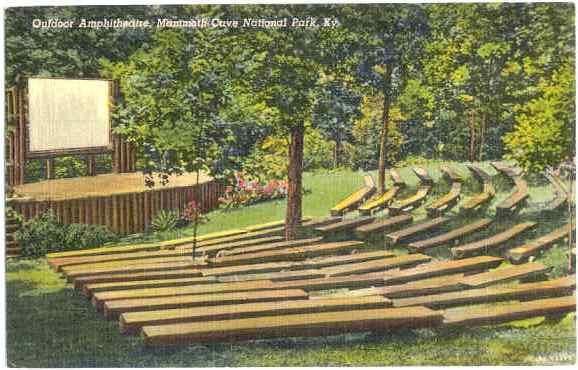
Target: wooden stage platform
x=120, y=201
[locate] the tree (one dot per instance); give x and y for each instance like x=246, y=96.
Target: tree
x=385, y=39
x=335, y=111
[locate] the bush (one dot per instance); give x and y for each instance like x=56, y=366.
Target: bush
x=165, y=220
x=192, y=213
x=44, y=234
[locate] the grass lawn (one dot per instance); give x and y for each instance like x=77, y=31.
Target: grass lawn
x=51, y=325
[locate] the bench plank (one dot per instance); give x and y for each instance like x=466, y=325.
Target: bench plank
x=440, y=268
x=92, y=288
x=290, y=254
x=557, y=287
x=423, y=176
x=438, y=284
x=99, y=298
x=273, y=276
x=407, y=233
x=334, y=282
x=396, y=178
x=132, y=322
x=141, y=276
x=376, y=265
x=518, y=198
x=159, y=267
x=59, y=263
x=316, y=324
x=146, y=246
x=114, y=308
x=382, y=225
x=488, y=191
x=411, y=202
x=480, y=316
x=446, y=202
x=271, y=246
x=460, y=232
x=508, y=273
x=493, y=242
x=522, y=253
x=380, y=202
x=353, y=200
x=344, y=225
x=311, y=263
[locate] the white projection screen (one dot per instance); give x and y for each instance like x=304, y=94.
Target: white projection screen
x=67, y=115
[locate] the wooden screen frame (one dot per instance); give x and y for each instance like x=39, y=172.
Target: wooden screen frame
x=47, y=154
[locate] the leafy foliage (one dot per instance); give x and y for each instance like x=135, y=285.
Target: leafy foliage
x=544, y=134
x=45, y=234
x=165, y=220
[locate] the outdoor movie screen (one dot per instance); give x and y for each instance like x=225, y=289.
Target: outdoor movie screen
x=68, y=115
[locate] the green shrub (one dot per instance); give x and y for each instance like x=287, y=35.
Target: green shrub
x=44, y=234
x=87, y=235
x=165, y=220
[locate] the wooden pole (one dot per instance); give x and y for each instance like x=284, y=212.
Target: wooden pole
x=50, y=168
x=91, y=165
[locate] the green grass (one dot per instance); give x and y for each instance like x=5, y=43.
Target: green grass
x=51, y=325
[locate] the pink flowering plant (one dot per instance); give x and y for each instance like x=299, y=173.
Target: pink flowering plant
x=192, y=213
x=246, y=191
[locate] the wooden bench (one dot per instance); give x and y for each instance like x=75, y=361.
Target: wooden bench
x=185, y=264
x=438, y=284
x=273, y=276
x=129, y=277
x=376, y=265
x=270, y=247
x=518, y=198
x=289, y=254
x=505, y=274
x=112, y=309
x=303, y=325
x=493, y=242
x=132, y=322
x=344, y=225
x=383, y=225
x=334, y=282
x=417, y=199
x=311, y=263
x=503, y=313
x=526, y=291
x=396, y=178
x=90, y=289
x=560, y=199
x=145, y=256
x=385, y=199
x=449, y=200
x=356, y=198
x=482, y=199
x=322, y=221
x=99, y=298
x=450, y=236
x=441, y=268
x=522, y=253
x=407, y=233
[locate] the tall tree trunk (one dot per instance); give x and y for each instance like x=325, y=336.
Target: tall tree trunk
x=483, y=123
x=384, y=129
x=472, y=125
x=294, y=183
x=337, y=152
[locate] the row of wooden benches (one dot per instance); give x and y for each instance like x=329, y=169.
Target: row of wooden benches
x=248, y=298
x=362, y=199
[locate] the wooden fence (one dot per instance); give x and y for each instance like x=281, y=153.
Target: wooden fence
x=126, y=213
